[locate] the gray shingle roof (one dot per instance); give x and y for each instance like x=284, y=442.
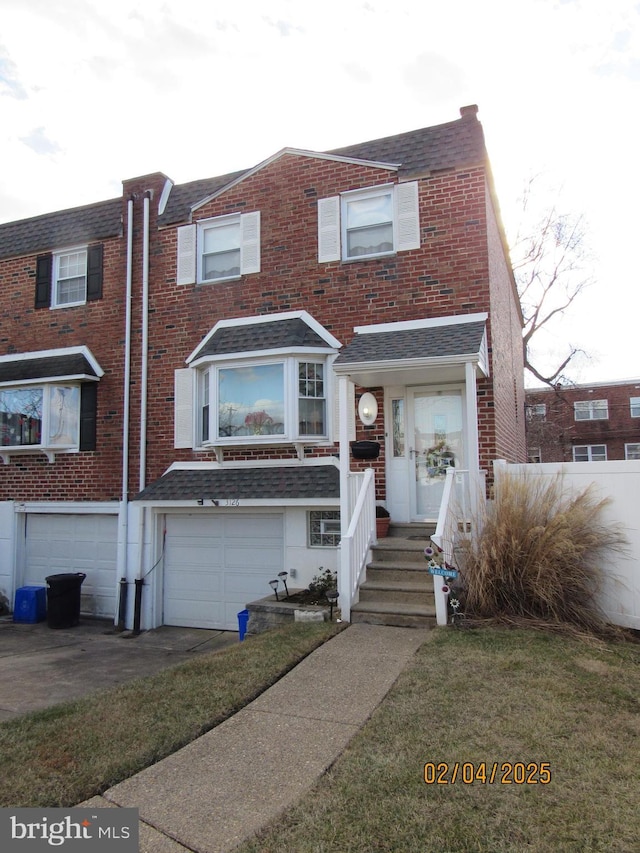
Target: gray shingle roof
x=444, y=146
x=304, y=482
x=270, y=335
x=433, y=342
x=457, y=143
x=45, y=367
x=61, y=229
x=183, y=196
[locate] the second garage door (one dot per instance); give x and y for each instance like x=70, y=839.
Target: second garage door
x=62, y=543
x=215, y=564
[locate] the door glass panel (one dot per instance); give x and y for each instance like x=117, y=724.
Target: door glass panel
x=397, y=414
x=437, y=445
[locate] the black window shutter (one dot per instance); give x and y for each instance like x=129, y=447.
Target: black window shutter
x=88, y=405
x=43, y=281
x=94, y=272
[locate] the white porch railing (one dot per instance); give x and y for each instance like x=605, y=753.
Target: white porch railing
x=460, y=509
x=356, y=542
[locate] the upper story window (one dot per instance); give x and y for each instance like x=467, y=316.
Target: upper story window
x=634, y=406
x=537, y=410
x=590, y=453
x=632, y=451
x=370, y=223
x=70, y=277
x=591, y=410
x=219, y=249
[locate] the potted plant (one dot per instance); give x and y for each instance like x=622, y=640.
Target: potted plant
x=383, y=520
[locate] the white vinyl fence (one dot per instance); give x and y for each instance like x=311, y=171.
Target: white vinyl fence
x=620, y=482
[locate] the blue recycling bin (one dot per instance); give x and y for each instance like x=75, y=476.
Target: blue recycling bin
x=30, y=604
x=243, y=619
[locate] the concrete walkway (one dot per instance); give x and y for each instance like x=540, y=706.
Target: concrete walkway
x=227, y=785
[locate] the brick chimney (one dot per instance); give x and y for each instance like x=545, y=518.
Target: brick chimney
x=469, y=112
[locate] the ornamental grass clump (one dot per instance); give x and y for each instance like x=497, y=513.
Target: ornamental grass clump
x=540, y=554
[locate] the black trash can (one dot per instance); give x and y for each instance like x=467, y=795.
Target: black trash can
x=63, y=599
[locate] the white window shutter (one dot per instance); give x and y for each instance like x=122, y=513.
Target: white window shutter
x=329, y=229
x=186, y=263
x=407, y=216
x=250, y=242
x=183, y=408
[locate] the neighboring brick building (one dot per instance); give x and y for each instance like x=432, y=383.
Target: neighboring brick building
x=584, y=423
x=184, y=365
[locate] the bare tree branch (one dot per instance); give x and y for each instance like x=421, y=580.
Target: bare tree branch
x=551, y=265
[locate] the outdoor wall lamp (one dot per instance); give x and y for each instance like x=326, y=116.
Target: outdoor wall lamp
x=367, y=408
x=332, y=598
x=274, y=586
x=284, y=575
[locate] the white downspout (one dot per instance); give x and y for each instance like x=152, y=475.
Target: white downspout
x=145, y=344
x=144, y=363
x=127, y=357
x=126, y=412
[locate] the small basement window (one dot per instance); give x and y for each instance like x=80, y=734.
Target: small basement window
x=324, y=528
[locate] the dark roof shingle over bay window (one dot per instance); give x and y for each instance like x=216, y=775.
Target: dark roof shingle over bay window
x=303, y=482
x=35, y=366
x=291, y=333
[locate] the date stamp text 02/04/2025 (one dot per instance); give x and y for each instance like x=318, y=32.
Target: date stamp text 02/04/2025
x=487, y=772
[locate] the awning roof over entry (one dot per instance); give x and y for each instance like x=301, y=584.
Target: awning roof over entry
x=271, y=483
x=397, y=352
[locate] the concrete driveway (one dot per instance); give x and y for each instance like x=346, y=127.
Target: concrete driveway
x=42, y=666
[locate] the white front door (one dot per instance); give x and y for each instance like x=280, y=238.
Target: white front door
x=425, y=438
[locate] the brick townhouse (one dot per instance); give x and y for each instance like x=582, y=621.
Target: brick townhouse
x=584, y=423
x=185, y=369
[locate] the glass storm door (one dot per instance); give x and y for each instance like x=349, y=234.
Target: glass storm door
x=435, y=444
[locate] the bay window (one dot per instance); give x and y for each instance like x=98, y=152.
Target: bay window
x=40, y=416
x=260, y=401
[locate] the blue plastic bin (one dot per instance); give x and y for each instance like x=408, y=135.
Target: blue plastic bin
x=30, y=604
x=243, y=618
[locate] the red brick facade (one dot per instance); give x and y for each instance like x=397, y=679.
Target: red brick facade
x=607, y=427
x=460, y=268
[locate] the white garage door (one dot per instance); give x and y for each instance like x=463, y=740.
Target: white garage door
x=57, y=544
x=215, y=564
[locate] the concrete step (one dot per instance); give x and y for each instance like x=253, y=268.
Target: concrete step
x=396, y=613
x=404, y=591
x=394, y=549
x=411, y=530
x=391, y=573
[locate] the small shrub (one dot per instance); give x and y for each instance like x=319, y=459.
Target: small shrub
x=539, y=554
x=323, y=581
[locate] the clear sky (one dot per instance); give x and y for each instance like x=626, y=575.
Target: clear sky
x=94, y=92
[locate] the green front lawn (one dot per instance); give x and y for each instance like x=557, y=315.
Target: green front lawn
x=519, y=700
